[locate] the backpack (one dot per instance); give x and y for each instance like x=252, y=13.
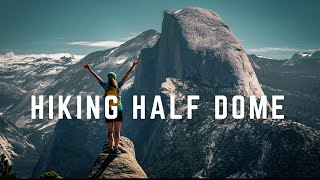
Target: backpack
x=112, y=91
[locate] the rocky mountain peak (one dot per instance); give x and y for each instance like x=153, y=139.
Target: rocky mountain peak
x=316, y=54
x=201, y=28
x=301, y=55
x=196, y=45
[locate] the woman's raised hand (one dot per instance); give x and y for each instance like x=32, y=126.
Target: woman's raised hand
x=86, y=66
x=135, y=63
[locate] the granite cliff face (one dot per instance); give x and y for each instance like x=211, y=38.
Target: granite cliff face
x=196, y=45
x=17, y=148
x=72, y=149
x=124, y=166
x=197, y=54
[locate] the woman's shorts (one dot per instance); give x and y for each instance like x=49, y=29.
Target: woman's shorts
x=118, y=118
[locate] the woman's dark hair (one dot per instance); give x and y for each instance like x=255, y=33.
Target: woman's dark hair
x=113, y=83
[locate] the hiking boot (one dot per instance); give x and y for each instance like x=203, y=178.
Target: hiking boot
x=116, y=152
x=110, y=150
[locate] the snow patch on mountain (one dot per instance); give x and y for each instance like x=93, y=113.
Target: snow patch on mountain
x=303, y=54
x=168, y=85
x=177, y=11
x=263, y=57
x=12, y=56
x=53, y=71
x=128, y=84
x=120, y=60
x=51, y=123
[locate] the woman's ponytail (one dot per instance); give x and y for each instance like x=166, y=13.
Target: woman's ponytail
x=113, y=83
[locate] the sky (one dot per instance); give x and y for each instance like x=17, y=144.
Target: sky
x=271, y=28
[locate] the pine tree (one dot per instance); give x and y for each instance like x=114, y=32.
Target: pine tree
x=51, y=175
x=6, y=168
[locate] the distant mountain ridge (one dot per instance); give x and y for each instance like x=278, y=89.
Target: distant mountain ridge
x=306, y=55
x=297, y=79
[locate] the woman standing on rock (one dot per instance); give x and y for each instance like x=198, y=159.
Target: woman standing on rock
x=112, y=88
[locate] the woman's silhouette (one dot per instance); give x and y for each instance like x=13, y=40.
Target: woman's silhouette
x=112, y=88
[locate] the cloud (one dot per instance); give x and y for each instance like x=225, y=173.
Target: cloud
x=97, y=43
x=279, y=49
x=130, y=36
x=9, y=55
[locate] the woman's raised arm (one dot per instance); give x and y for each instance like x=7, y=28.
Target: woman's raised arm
x=98, y=78
x=125, y=78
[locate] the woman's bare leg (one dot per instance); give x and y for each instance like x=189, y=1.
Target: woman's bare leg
x=117, y=127
x=110, y=135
